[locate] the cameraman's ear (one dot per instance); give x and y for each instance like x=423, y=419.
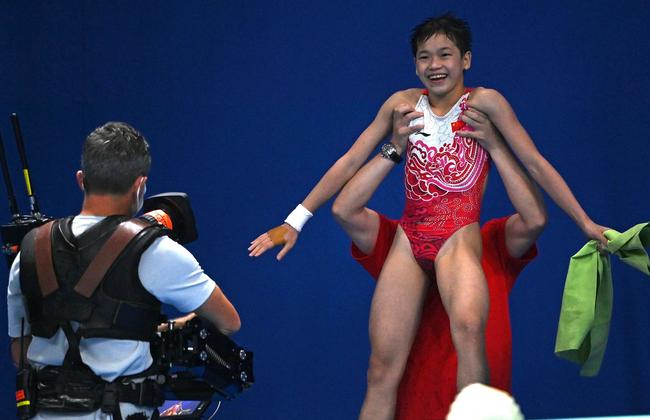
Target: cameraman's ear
x=138, y=183
x=80, y=180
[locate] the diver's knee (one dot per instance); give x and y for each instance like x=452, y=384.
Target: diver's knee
x=382, y=371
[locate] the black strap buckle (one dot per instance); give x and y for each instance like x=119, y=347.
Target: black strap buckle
x=110, y=402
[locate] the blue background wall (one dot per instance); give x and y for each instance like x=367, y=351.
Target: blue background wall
x=247, y=103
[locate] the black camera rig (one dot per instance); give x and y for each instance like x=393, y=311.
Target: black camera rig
x=224, y=367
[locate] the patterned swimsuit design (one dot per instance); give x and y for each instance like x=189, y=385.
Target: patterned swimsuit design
x=444, y=178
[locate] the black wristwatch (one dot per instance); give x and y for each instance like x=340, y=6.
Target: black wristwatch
x=389, y=151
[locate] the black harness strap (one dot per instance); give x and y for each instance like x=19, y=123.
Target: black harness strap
x=43, y=256
x=72, y=356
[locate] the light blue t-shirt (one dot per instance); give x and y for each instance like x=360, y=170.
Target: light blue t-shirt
x=167, y=270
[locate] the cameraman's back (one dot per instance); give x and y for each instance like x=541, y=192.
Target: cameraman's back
x=151, y=266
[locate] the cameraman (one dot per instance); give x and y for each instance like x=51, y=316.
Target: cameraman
x=151, y=269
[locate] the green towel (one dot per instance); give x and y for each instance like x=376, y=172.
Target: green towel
x=587, y=301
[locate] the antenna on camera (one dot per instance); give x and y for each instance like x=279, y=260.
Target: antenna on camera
x=13, y=205
x=33, y=204
x=13, y=233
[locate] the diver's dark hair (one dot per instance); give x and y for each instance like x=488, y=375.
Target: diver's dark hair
x=454, y=28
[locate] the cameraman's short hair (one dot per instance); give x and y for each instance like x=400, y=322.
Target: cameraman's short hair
x=113, y=156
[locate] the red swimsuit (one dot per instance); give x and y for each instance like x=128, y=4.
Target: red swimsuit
x=444, y=179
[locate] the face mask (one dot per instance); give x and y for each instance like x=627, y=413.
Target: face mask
x=141, y=197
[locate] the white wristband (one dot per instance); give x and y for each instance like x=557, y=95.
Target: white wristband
x=298, y=217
